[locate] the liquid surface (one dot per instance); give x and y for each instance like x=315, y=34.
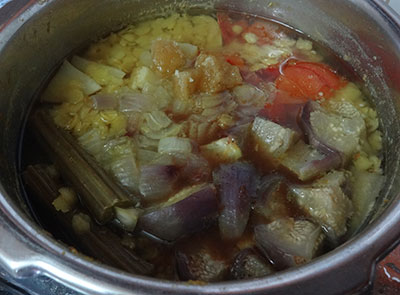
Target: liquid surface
x=241, y=150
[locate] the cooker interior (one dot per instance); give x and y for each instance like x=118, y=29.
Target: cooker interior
x=34, y=46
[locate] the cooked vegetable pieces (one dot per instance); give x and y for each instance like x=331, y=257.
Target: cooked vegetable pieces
x=236, y=185
x=98, y=241
x=326, y=203
x=288, y=242
x=189, y=211
x=100, y=194
x=215, y=148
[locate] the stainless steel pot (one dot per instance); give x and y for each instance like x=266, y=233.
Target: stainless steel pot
x=36, y=35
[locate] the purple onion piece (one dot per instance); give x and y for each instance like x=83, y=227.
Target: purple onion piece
x=237, y=185
x=201, y=264
x=103, y=101
x=195, y=210
x=193, y=167
x=334, y=158
x=249, y=264
x=157, y=181
x=287, y=242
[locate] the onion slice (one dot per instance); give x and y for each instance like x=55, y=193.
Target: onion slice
x=157, y=181
x=103, y=101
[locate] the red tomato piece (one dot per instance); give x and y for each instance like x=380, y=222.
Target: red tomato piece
x=309, y=80
x=235, y=60
x=324, y=72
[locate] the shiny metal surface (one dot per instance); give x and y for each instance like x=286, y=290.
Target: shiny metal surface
x=42, y=33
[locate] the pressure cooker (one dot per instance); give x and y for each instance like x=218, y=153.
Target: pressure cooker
x=36, y=35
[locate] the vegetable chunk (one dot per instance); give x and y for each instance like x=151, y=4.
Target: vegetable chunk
x=340, y=132
x=167, y=57
x=223, y=150
x=236, y=186
x=216, y=74
x=288, y=242
x=191, y=210
x=326, y=203
x=307, y=79
x=249, y=264
x=272, y=139
x=214, y=147
x=69, y=85
x=102, y=74
x=305, y=162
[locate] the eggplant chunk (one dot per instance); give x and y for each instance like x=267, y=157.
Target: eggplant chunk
x=305, y=162
x=200, y=259
x=249, y=264
x=326, y=203
x=236, y=185
x=313, y=137
x=272, y=202
x=201, y=266
x=271, y=139
x=338, y=131
x=288, y=242
x=191, y=210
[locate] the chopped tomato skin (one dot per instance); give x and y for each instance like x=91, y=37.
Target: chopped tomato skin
x=324, y=72
x=299, y=79
x=235, y=60
x=309, y=80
